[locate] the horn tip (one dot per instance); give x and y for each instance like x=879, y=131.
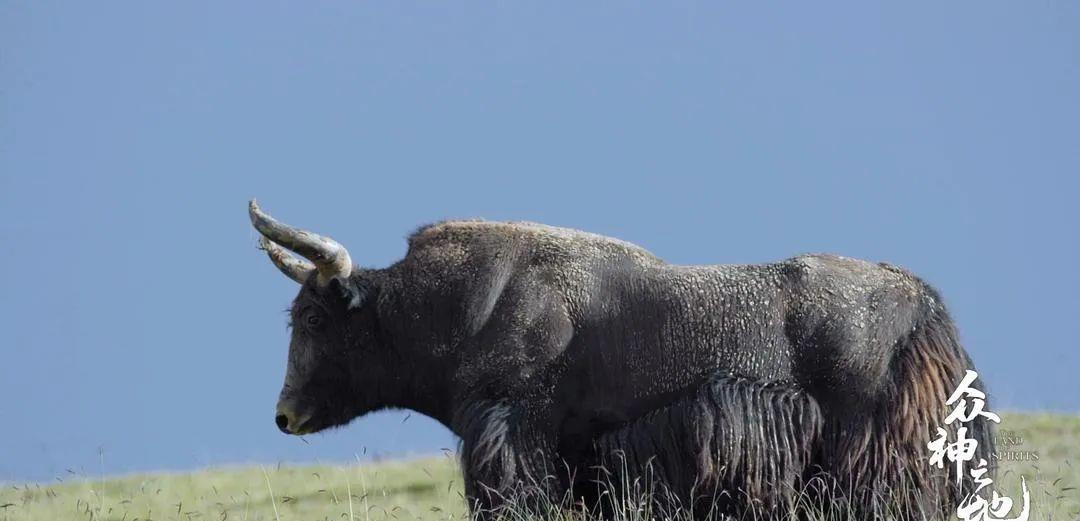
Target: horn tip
x=254, y=212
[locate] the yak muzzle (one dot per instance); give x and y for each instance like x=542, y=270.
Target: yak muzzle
x=289, y=422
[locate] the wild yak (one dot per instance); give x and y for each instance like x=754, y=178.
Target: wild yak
x=547, y=349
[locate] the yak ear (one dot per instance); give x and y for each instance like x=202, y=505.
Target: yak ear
x=352, y=290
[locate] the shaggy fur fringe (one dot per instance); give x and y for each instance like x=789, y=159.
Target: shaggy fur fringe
x=881, y=463
x=734, y=447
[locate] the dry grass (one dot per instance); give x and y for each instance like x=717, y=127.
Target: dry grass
x=431, y=488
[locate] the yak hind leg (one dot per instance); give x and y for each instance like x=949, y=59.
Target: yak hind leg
x=733, y=447
x=876, y=461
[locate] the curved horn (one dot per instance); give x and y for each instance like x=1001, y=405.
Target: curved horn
x=329, y=257
x=292, y=267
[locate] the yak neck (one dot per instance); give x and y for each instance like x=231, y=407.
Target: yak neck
x=422, y=367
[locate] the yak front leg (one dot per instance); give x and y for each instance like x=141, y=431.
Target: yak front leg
x=509, y=460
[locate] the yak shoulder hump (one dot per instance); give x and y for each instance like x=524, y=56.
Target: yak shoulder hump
x=469, y=230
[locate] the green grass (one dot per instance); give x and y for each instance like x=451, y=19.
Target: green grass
x=1054, y=479
x=431, y=488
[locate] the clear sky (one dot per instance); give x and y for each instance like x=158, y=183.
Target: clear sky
x=141, y=329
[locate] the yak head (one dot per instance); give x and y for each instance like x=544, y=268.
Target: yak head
x=338, y=367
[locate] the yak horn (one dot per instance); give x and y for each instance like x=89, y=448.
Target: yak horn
x=329, y=258
x=292, y=267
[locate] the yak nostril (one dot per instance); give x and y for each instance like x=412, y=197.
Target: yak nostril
x=282, y=423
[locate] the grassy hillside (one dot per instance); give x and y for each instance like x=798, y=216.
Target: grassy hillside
x=431, y=488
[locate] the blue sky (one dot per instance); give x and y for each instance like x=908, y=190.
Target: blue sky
x=143, y=330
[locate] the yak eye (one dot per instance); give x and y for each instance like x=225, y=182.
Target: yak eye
x=313, y=320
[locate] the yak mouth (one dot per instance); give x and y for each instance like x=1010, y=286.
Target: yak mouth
x=297, y=421
x=302, y=427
